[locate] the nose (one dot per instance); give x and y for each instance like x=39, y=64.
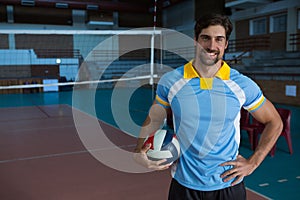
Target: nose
x=212, y=44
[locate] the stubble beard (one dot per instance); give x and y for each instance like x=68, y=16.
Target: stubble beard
x=206, y=59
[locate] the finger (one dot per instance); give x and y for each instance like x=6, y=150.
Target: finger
x=166, y=167
x=157, y=166
x=161, y=161
x=145, y=148
x=232, y=163
x=163, y=167
x=228, y=172
x=237, y=180
x=228, y=178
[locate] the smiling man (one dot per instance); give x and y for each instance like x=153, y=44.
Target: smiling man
x=205, y=97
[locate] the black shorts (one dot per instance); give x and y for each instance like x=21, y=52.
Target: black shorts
x=179, y=192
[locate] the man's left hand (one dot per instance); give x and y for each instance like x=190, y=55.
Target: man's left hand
x=241, y=167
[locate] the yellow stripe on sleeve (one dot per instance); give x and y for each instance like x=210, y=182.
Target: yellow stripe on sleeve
x=159, y=100
x=258, y=104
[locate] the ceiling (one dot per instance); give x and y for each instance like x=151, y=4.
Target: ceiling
x=142, y=6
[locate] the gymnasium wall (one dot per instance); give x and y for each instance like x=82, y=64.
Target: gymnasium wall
x=276, y=91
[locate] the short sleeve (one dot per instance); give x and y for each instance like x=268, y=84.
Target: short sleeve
x=162, y=92
x=253, y=94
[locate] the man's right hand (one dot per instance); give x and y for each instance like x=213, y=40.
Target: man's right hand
x=140, y=156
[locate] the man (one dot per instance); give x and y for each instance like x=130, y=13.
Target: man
x=205, y=96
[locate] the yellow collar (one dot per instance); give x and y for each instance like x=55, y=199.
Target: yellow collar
x=190, y=72
x=206, y=83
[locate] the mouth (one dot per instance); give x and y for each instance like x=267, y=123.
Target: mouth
x=212, y=54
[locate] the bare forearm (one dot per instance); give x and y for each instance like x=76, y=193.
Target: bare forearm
x=147, y=129
x=244, y=167
x=153, y=122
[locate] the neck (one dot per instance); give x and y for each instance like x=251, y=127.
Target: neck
x=207, y=71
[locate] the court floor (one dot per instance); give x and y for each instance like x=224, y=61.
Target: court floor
x=42, y=157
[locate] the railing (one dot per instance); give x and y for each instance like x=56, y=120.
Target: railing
x=179, y=53
x=57, y=53
x=280, y=76
x=294, y=39
x=249, y=44
x=140, y=54
x=143, y=54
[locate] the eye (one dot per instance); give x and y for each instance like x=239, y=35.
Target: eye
x=220, y=39
x=205, y=38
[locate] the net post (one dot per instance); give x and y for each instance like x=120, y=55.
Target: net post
x=152, y=60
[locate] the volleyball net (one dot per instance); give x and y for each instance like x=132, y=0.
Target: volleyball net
x=53, y=60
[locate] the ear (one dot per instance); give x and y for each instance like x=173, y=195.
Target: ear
x=195, y=41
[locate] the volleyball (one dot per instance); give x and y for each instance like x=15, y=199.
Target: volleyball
x=164, y=145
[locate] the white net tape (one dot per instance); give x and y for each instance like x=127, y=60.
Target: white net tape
x=147, y=77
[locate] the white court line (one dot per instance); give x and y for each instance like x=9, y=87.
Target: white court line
x=258, y=194
x=282, y=180
x=263, y=184
x=38, y=128
x=63, y=154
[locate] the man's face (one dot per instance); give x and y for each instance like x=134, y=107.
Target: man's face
x=211, y=45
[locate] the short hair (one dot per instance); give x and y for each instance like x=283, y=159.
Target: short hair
x=210, y=20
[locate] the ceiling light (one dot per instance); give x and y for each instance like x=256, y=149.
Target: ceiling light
x=61, y=5
x=27, y=3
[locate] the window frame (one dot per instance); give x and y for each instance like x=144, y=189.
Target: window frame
x=252, y=23
x=298, y=19
x=272, y=23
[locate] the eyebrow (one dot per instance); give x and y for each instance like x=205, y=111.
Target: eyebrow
x=219, y=36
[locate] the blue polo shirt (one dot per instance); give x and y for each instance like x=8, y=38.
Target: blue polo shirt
x=206, y=114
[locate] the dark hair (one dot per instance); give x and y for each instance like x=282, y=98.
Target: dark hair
x=210, y=20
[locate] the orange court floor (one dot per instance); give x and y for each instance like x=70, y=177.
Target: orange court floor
x=43, y=158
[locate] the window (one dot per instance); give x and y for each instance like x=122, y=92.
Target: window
x=258, y=26
x=278, y=23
